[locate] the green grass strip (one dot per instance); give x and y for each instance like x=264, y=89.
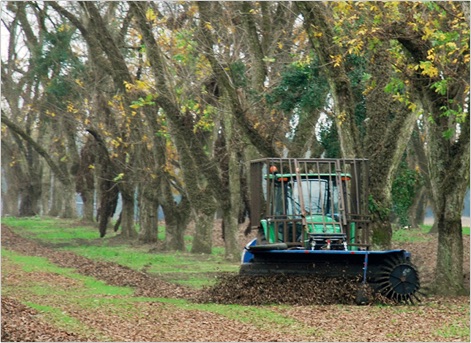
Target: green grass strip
x=91, y=286
x=455, y=330
x=59, y=319
x=260, y=316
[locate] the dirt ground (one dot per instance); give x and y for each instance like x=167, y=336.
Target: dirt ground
x=157, y=321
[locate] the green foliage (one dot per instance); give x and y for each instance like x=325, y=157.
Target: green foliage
x=141, y=102
x=238, y=72
x=302, y=87
x=404, y=187
x=55, y=62
x=356, y=67
x=329, y=139
x=54, y=51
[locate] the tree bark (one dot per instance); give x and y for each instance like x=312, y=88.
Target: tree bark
x=85, y=178
x=231, y=213
x=56, y=201
x=255, y=47
x=69, y=209
x=316, y=20
x=128, y=229
x=177, y=217
x=204, y=222
x=388, y=131
x=450, y=180
x=148, y=218
x=418, y=208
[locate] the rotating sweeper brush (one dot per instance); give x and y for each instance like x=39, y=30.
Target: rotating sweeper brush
x=312, y=219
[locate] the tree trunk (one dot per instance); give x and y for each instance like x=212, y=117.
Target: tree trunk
x=177, y=217
x=85, y=177
x=55, y=207
x=423, y=196
x=231, y=207
x=69, y=202
x=380, y=205
x=11, y=181
x=203, y=207
x=418, y=208
x=127, y=220
x=148, y=219
x=88, y=205
x=175, y=227
x=174, y=233
x=231, y=228
x=450, y=182
x=448, y=163
x=9, y=202
x=388, y=131
x=449, y=277
x=30, y=197
x=31, y=188
x=204, y=222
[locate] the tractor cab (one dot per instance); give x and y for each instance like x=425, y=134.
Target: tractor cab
x=306, y=204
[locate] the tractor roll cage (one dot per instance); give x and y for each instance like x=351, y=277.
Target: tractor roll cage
x=341, y=206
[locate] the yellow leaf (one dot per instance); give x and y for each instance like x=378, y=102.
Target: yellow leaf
x=208, y=25
x=337, y=60
x=150, y=15
x=128, y=85
x=141, y=85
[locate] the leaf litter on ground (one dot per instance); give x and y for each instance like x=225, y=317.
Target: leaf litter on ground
x=325, y=314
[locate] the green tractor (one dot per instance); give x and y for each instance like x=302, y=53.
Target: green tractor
x=311, y=216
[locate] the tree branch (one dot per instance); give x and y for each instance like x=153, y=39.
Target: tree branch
x=63, y=178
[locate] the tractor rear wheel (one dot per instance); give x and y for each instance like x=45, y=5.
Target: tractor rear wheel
x=398, y=280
